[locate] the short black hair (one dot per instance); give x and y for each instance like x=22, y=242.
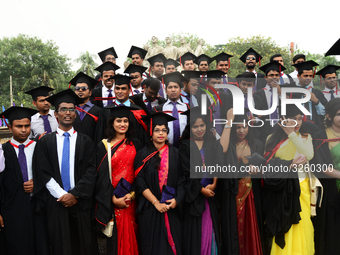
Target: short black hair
x=153, y=83
x=297, y=56
x=246, y=76
x=274, y=56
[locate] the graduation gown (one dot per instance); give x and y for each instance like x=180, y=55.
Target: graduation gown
x=45, y=167
x=318, y=119
x=327, y=219
x=153, y=234
x=18, y=235
x=88, y=126
x=194, y=200
x=138, y=100
x=260, y=81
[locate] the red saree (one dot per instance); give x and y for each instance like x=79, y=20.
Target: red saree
x=122, y=167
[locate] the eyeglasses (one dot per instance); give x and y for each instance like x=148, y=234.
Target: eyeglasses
x=65, y=110
x=80, y=88
x=110, y=59
x=250, y=58
x=160, y=130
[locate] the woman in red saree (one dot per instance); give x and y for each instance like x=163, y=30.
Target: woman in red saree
x=160, y=183
x=110, y=202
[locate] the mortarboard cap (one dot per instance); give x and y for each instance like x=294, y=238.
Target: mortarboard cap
x=292, y=110
x=39, y=92
x=122, y=79
x=203, y=57
x=159, y=118
x=170, y=62
x=329, y=69
x=191, y=74
x=65, y=96
x=195, y=112
x=135, y=68
x=18, y=113
x=136, y=50
x=185, y=57
x=83, y=78
x=109, y=51
x=334, y=50
x=157, y=58
x=251, y=51
x=240, y=118
x=172, y=77
x=307, y=65
x=119, y=111
x=107, y=66
x=221, y=57
x=215, y=74
x=272, y=66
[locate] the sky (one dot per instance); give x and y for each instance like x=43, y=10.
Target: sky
x=79, y=26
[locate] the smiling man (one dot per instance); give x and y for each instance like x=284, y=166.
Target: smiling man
x=136, y=73
x=64, y=175
x=103, y=96
x=330, y=79
x=44, y=121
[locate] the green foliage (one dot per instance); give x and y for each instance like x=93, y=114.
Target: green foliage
x=31, y=63
x=87, y=63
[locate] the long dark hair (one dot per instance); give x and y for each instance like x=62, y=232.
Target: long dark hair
x=110, y=132
x=249, y=137
x=151, y=147
x=191, y=121
x=278, y=135
x=331, y=109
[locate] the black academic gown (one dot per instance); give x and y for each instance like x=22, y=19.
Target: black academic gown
x=318, y=119
x=153, y=235
x=260, y=81
x=194, y=200
x=138, y=100
x=88, y=126
x=104, y=209
x=18, y=235
x=46, y=166
x=327, y=220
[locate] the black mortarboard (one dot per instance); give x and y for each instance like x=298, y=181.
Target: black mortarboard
x=176, y=77
x=240, y=118
x=185, y=57
x=251, y=51
x=83, y=78
x=65, y=96
x=135, y=68
x=196, y=112
x=222, y=57
x=157, y=58
x=215, y=74
x=292, y=110
x=191, y=74
x=39, y=92
x=18, y=113
x=136, y=50
x=272, y=66
x=122, y=79
x=307, y=65
x=329, y=69
x=107, y=66
x=203, y=57
x=170, y=62
x=119, y=111
x=159, y=118
x=109, y=51
x=334, y=50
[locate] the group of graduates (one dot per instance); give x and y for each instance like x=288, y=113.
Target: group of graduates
x=113, y=169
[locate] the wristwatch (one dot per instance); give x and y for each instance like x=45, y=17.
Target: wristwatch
x=227, y=126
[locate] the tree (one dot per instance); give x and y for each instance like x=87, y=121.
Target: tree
x=31, y=63
x=87, y=63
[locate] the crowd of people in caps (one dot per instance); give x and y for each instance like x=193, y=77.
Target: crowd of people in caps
x=112, y=169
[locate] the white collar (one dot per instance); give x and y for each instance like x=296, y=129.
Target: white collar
x=50, y=112
x=17, y=143
x=61, y=132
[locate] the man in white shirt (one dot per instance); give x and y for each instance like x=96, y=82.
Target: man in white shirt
x=284, y=78
x=330, y=78
x=136, y=72
x=298, y=58
x=174, y=106
x=103, y=96
x=44, y=121
x=64, y=174
x=16, y=186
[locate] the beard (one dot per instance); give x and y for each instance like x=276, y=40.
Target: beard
x=250, y=66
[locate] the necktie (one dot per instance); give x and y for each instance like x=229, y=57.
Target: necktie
x=246, y=101
x=281, y=79
x=81, y=114
x=136, y=91
x=148, y=106
x=121, y=104
x=332, y=94
x=273, y=115
x=188, y=98
x=161, y=90
x=47, y=126
x=65, y=163
x=175, y=124
x=217, y=115
x=23, y=162
x=110, y=101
